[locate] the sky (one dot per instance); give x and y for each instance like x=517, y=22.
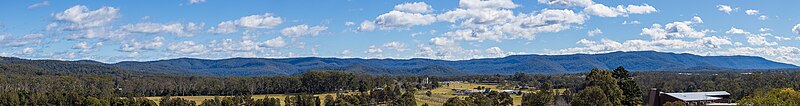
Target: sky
x=145, y=30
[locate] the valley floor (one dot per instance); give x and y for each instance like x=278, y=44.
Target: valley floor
x=439, y=97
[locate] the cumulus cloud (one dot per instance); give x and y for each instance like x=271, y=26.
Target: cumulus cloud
x=415, y=7
x=265, y=21
x=374, y=50
x=302, y=30
x=86, y=47
x=394, y=45
x=137, y=46
x=606, y=45
x=496, y=52
x=596, y=31
x=751, y=12
x=196, y=1
x=187, y=48
x=349, y=23
x=102, y=33
x=762, y=17
x=183, y=30
x=28, y=51
x=28, y=39
x=40, y=4
x=630, y=22
x=483, y=25
x=605, y=11
x=725, y=8
x=80, y=17
x=366, y=26
x=567, y=3
x=753, y=39
x=345, y=52
x=397, y=19
x=796, y=29
x=680, y=29
x=275, y=42
x=487, y=4
x=477, y=17
x=442, y=41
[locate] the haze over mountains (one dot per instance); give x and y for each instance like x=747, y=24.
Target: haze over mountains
x=547, y=64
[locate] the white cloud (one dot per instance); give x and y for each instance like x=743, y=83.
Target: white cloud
x=640, y=9
x=80, y=17
x=247, y=44
x=373, y=50
x=103, y=33
x=491, y=27
x=2, y=37
x=135, y=46
x=605, y=11
x=275, y=42
x=86, y=47
x=735, y=30
x=751, y=12
x=567, y=3
x=345, y=52
x=596, y=31
x=395, y=46
x=28, y=51
x=796, y=29
x=224, y=28
x=496, y=52
x=40, y=4
x=183, y=30
x=366, y=26
x=196, y=1
x=415, y=7
x=265, y=21
x=764, y=29
x=28, y=39
x=81, y=45
x=725, y=8
x=442, y=41
x=302, y=30
x=760, y=40
x=697, y=19
x=527, y=26
x=753, y=39
x=680, y=29
x=762, y=17
x=606, y=45
x=398, y=19
x=477, y=17
x=349, y=23
x=630, y=22
x=487, y=4
x=187, y=48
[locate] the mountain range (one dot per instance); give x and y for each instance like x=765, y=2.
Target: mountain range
x=545, y=64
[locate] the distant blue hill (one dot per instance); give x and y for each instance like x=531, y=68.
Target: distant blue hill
x=547, y=64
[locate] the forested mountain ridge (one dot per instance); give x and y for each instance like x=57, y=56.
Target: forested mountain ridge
x=639, y=60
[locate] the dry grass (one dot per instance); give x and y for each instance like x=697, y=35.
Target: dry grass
x=440, y=95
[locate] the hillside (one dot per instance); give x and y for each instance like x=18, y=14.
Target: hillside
x=547, y=64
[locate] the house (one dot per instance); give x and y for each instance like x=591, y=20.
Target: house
x=511, y=91
x=716, y=98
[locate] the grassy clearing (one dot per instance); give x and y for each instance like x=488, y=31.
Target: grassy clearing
x=439, y=97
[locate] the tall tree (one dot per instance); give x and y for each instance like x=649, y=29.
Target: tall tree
x=601, y=89
x=631, y=91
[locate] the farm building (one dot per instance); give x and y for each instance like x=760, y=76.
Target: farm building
x=715, y=98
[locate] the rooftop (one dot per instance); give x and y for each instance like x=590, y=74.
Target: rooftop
x=699, y=96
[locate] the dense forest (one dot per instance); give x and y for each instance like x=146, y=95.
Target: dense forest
x=22, y=84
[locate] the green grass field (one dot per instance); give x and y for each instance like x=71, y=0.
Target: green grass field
x=440, y=95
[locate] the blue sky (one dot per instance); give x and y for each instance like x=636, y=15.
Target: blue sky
x=143, y=30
